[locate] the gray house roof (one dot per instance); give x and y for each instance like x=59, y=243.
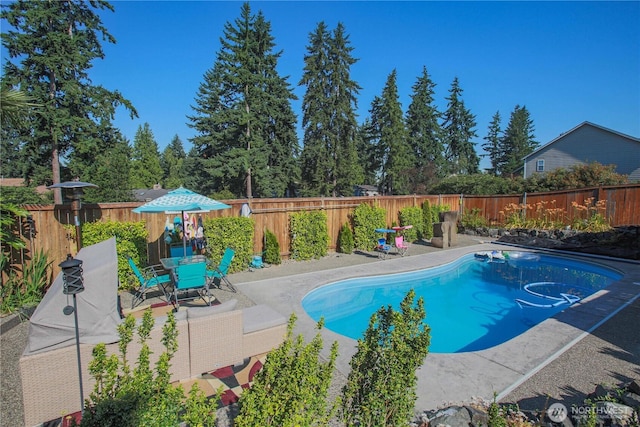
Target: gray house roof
x=147, y=195
x=584, y=144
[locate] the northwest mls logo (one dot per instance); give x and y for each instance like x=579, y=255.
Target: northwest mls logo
x=557, y=412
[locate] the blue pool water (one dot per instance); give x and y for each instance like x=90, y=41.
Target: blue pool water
x=472, y=303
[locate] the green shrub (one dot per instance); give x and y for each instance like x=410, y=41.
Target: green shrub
x=345, y=239
x=126, y=395
x=131, y=240
x=271, y=248
x=17, y=293
x=292, y=387
x=309, y=235
x=230, y=232
x=473, y=219
x=366, y=219
x=577, y=176
x=412, y=216
x=381, y=387
x=427, y=221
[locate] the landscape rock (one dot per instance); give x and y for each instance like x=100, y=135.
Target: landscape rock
x=453, y=416
x=619, y=242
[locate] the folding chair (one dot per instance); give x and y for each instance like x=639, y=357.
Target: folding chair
x=187, y=277
x=147, y=279
x=219, y=274
x=383, y=248
x=401, y=246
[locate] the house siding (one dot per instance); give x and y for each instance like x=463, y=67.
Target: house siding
x=588, y=144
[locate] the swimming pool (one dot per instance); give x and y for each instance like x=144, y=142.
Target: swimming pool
x=472, y=304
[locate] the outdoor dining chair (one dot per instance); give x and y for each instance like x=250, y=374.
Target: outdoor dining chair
x=189, y=282
x=219, y=274
x=148, y=278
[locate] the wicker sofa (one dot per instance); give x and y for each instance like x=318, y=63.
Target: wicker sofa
x=208, y=338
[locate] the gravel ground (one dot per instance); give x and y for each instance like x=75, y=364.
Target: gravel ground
x=610, y=355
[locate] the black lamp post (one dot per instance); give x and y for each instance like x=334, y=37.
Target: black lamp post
x=76, y=204
x=73, y=284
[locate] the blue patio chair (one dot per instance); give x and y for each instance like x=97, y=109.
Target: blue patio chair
x=188, y=277
x=219, y=274
x=383, y=248
x=148, y=278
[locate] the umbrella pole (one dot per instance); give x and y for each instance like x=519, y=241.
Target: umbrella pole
x=184, y=237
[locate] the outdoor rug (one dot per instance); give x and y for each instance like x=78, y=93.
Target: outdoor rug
x=232, y=380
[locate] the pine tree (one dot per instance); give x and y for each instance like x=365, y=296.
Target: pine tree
x=458, y=127
x=517, y=142
x=492, y=146
x=425, y=134
x=145, y=159
x=330, y=165
x=51, y=50
x=367, y=148
x=344, y=93
x=172, y=163
x=111, y=172
x=397, y=159
x=245, y=123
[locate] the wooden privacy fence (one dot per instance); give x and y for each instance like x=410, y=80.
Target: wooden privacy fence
x=51, y=235
x=622, y=205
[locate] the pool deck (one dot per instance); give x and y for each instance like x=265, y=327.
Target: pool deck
x=446, y=379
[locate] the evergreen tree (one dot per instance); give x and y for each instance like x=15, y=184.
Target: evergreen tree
x=172, y=163
x=343, y=97
x=425, y=134
x=397, y=159
x=11, y=163
x=330, y=164
x=196, y=176
x=145, y=159
x=316, y=158
x=367, y=148
x=517, y=142
x=245, y=123
x=492, y=146
x=50, y=51
x=111, y=172
x=458, y=127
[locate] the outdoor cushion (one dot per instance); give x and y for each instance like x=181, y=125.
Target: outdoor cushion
x=259, y=317
x=198, y=312
x=161, y=320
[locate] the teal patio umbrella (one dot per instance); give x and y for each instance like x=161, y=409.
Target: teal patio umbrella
x=181, y=201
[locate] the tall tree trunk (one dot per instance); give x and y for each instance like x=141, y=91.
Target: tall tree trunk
x=248, y=135
x=55, y=155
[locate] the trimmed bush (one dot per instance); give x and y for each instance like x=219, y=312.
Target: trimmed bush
x=230, y=232
x=366, y=219
x=345, y=239
x=131, y=240
x=271, y=249
x=309, y=235
x=412, y=216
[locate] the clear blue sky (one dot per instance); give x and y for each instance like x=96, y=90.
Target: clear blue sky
x=568, y=62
